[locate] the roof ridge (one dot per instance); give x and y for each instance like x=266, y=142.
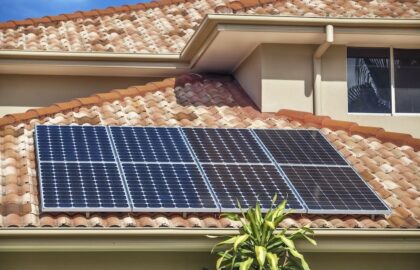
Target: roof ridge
x=233, y=4
x=88, y=13
x=321, y=121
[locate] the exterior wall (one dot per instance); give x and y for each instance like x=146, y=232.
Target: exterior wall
x=287, y=77
x=278, y=76
x=334, y=97
x=21, y=92
x=249, y=76
x=192, y=261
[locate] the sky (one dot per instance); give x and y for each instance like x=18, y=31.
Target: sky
x=22, y=9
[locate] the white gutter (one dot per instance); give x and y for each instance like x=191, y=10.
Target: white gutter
x=195, y=240
x=329, y=39
x=88, y=56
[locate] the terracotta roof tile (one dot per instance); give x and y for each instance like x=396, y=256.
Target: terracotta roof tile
x=166, y=26
x=391, y=169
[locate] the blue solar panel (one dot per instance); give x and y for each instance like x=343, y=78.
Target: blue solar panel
x=334, y=190
x=168, y=188
x=82, y=186
x=160, y=169
x=248, y=184
x=225, y=145
x=150, y=144
x=299, y=147
x=73, y=143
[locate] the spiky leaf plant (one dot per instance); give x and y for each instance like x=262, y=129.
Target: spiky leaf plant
x=260, y=245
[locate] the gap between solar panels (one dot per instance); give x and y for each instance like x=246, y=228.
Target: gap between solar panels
x=168, y=169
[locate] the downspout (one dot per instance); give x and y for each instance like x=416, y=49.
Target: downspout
x=329, y=38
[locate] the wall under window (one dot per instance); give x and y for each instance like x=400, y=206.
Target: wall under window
x=335, y=98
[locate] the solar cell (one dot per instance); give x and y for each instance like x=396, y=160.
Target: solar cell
x=168, y=188
x=299, y=147
x=82, y=187
x=73, y=143
x=334, y=190
x=150, y=144
x=225, y=145
x=248, y=184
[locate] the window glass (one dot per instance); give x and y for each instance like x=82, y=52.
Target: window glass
x=407, y=81
x=368, y=80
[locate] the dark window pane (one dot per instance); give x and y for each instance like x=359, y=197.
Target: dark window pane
x=368, y=80
x=407, y=80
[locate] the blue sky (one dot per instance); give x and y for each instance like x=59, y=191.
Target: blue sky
x=22, y=9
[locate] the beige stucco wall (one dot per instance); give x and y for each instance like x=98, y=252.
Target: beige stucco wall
x=192, y=261
x=248, y=74
x=20, y=92
x=334, y=97
x=278, y=76
x=287, y=77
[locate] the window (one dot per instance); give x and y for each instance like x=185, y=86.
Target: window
x=407, y=81
x=369, y=80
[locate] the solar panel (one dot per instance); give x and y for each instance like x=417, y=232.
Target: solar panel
x=168, y=188
x=78, y=171
x=150, y=144
x=299, y=147
x=82, y=187
x=225, y=145
x=73, y=143
x=334, y=190
x=161, y=169
x=248, y=184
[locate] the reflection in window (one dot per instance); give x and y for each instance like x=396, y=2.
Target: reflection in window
x=407, y=81
x=368, y=80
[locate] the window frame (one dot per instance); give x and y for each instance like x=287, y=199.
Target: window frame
x=392, y=84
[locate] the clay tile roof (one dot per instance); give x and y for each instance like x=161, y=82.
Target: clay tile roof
x=165, y=26
x=388, y=162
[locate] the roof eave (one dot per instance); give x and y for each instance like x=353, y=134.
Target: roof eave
x=195, y=240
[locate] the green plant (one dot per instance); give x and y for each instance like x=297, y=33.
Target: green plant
x=260, y=245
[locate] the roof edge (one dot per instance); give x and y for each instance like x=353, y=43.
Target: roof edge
x=320, y=121
x=193, y=240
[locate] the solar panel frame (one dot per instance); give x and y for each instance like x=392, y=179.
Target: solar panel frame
x=75, y=209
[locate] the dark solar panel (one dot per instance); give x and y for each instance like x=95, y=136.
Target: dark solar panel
x=299, y=147
x=248, y=184
x=82, y=186
x=225, y=145
x=334, y=190
x=73, y=143
x=150, y=144
x=168, y=188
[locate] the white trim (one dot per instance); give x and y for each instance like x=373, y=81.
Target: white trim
x=369, y=114
x=392, y=79
x=407, y=114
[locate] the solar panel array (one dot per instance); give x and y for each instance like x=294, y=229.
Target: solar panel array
x=162, y=169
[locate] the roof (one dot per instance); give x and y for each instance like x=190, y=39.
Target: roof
x=164, y=27
x=389, y=162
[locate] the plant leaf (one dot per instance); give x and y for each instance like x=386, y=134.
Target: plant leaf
x=310, y=240
x=226, y=242
x=239, y=240
x=260, y=253
x=296, y=254
x=273, y=260
x=220, y=260
x=287, y=241
x=270, y=224
x=245, y=265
